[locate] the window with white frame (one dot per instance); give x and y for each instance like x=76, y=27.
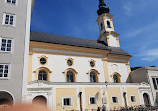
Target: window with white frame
x=67, y=101
x=114, y=100
x=92, y=101
x=155, y=83
x=11, y=1
x=133, y=99
x=9, y=19
x=4, y=71
x=5, y=45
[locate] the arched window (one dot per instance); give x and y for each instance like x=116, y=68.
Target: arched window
x=93, y=77
x=42, y=75
x=102, y=27
x=70, y=76
x=116, y=78
x=108, y=24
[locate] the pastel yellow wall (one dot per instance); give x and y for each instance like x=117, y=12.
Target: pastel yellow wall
x=106, y=70
x=65, y=92
x=30, y=68
x=92, y=92
x=133, y=91
x=114, y=92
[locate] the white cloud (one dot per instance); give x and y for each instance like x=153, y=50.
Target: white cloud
x=128, y=9
x=138, y=31
x=149, y=55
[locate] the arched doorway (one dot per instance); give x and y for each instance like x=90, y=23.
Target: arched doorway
x=6, y=100
x=146, y=100
x=40, y=100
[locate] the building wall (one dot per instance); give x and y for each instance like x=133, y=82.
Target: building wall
x=114, y=92
x=120, y=68
x=57, y=64
x=145, y=74
x=132, y=92
x=65, y=92
x=153, y=74
x=20, y=36
x=113, y=41
x=92, y=92
x=88, y=90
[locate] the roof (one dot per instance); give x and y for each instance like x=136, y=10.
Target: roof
x=153, y=68
x=73, y=41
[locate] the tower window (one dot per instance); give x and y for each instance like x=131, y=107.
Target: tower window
x=102, y=27
x=108, y=24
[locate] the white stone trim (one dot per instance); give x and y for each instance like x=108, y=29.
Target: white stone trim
x=78, y=98
x=54, y=99
x=122, y=98
x=107, y=97
x=26, y=51
x=83, y=99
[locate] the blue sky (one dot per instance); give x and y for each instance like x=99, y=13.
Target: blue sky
x=135, y=20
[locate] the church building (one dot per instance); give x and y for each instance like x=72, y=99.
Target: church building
x=68, y=73
x=64, y=73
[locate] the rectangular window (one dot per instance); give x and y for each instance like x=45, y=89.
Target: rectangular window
x=133, y=99
x=9, y=19
x=154, y=82
x=115, y=100
x=11, y=1
x=5, y=45
x=4, y=71
x=92, y=101
x=67, y=101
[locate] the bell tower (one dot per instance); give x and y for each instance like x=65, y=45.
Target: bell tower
x=106, y=27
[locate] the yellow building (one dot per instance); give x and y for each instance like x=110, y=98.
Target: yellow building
x=68, y=73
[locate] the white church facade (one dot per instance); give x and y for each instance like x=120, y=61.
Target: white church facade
x=68, y=73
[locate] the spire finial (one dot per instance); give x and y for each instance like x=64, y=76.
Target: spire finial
x=102, y=8
x=101, y=1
